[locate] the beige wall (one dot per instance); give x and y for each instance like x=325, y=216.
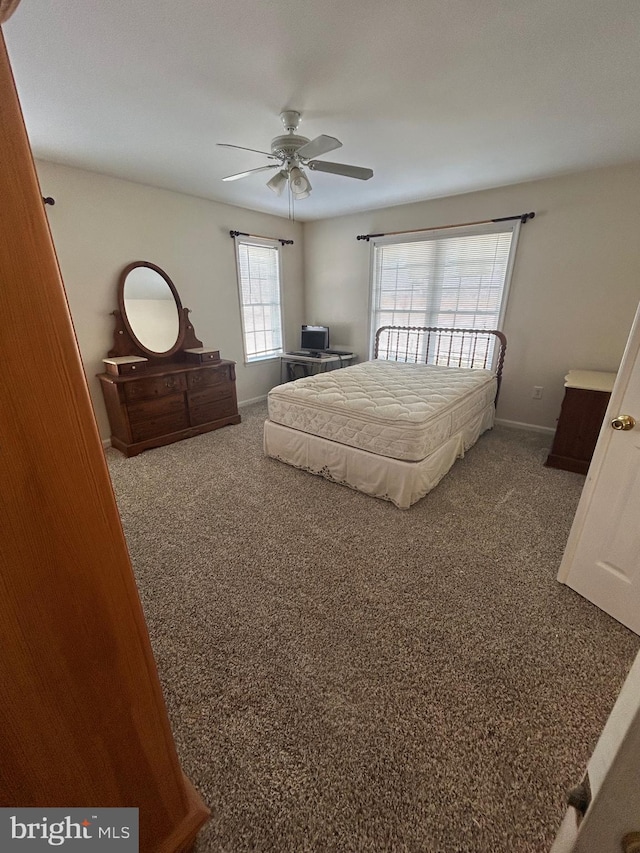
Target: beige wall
x=575, y=288
x=574, y=291
x=100, y=224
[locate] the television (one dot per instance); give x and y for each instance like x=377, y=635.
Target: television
x=314, y=338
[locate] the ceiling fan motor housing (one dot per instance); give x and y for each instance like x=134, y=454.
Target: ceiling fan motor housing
x=287, y=145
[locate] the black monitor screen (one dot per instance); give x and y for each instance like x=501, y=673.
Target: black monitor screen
x=315, y=338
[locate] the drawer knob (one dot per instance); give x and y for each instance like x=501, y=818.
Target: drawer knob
x=623, y=422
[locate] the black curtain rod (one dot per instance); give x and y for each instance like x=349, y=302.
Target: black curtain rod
x=523, y=217
x=260, y=237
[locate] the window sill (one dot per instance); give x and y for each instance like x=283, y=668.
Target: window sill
x=264, y=359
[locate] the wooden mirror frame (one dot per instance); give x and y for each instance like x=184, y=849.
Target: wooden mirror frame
x=125, y=341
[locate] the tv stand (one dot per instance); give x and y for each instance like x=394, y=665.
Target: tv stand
x=294, y=366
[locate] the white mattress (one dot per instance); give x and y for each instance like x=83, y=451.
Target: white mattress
x=402, y=411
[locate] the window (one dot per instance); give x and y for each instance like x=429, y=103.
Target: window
x=453, y=279
x=260, y=303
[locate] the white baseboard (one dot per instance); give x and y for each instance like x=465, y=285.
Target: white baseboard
x=106, y=442
x=529, y=427
x=252, y=400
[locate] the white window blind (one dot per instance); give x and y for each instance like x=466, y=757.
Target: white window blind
x=260, y=302
x=451, y=279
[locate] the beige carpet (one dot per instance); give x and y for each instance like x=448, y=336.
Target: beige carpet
x=342, y=675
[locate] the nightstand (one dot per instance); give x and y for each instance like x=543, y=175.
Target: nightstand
x=585, y=402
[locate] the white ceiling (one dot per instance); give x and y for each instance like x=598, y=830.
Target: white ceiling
x=436, y=96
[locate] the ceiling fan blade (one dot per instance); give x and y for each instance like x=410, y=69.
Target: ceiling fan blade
x=242, y=148
x=341, y=169
x=320, y=145
x=250, y=172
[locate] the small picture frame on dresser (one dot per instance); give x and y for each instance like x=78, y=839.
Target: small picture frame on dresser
x=202, y=355
x=123, y=365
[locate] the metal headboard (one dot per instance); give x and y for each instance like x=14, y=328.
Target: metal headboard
x=444, y=347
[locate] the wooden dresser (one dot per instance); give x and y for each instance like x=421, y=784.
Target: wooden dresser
x=585, y=402
x=161, y=385
x=168, y=402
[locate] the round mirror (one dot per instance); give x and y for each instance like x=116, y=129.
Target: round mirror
x=151, y=308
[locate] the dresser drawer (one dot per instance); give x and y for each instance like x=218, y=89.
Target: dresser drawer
x=203, y=413
x=158, y=408
x=160, y=425
x=208, y=378
x=155, y=386
x=210, y=395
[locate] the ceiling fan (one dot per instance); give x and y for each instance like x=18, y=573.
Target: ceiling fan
x=293, y=154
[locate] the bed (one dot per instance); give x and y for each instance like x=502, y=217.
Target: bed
x=394, y=426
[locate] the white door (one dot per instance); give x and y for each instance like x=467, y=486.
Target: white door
x=613, y=813
x=602, y=557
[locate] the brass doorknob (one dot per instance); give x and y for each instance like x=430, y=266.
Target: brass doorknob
x=623, y=422
x=631, y=843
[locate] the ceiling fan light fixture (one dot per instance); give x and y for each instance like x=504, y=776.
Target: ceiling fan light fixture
x=278, y=182
x=299, y=183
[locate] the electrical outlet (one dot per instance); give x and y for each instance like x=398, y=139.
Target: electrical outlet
x=537, y=392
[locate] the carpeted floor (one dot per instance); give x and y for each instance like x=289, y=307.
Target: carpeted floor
x=345, y=676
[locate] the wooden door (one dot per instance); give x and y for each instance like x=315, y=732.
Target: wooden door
x=82, y=717
x=602, y=557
